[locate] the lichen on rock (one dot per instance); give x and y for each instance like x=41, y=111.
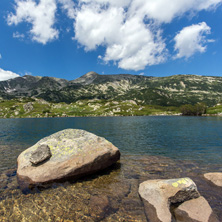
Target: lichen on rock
x=75, y=153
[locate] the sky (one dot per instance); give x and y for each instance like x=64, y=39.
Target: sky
x=68, y=38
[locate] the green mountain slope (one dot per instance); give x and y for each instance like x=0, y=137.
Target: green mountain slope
x=164, y=91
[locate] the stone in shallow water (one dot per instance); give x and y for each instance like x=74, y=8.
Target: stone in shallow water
x=99, y=205
x=41, y=154
x=158, y=195
x=196, y=210
x=75, y=153
x=215, y=178
x=72, y=200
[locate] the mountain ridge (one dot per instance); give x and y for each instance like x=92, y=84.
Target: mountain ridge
x=173, y=90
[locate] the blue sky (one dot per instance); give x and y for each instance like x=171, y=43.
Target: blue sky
x=68, y=38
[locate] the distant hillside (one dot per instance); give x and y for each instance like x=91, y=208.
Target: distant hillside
x=165, y=91
x=28, y=86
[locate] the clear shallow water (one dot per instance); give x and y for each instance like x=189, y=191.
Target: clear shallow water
x=180, y=138
x=151, y=147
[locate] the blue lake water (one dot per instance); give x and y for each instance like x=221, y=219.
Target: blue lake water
x=182, y=138
x=152, y=147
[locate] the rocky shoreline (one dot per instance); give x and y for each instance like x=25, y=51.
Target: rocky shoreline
x=66, y=116
x=135, y=188
x=95, y=116
x=39, y=108
x=111, y=195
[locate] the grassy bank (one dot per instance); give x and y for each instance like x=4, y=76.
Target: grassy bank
x=25, y=108
x=216, y=110
x=29, y=108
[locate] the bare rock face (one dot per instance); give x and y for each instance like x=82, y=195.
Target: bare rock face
x=215, y=178
x=195, y=210
x=42, y=153
x=159, y=195
x=28, y=107
x=75, y=153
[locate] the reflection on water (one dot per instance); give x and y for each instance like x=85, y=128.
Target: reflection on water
x=151, y=147
x=111, y=195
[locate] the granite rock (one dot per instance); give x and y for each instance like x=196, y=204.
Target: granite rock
x=195, y=210
x=75, y=153
x=42, y=153
x=215, y=178
x=159, y=195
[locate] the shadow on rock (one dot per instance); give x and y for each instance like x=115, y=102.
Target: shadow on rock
x=36, y=188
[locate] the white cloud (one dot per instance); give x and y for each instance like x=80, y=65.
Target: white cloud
x=0, y=56
x=165, y=11
x=69, y=6
x=41, y=16
x=5, y=75
x=130, y=29
x=136, y=47
x=94, y=27
x=128, y=41
x=191, y=39
x=115, y=3
x=18, y=35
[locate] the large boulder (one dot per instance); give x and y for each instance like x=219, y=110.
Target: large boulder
x=73, y=153
x=195, y=210
x=215, y=178
x=159, y=195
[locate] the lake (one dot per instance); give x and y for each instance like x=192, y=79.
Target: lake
x=152, y=147
x=180, y=138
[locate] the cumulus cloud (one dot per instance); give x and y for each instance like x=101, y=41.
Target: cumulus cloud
x=129, y=30
x=69, y=6
x=137, y=47
x=191, y=39
x=94, y=27
x=41, y=16
x=164, y=11
x=5, y=75
x=129, y=42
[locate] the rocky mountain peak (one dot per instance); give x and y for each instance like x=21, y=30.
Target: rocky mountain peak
x=165, y=91
x=86, y=79
x=91, y=74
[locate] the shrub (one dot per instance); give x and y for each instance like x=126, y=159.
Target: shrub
x=193, y=110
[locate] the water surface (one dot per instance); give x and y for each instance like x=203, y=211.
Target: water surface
x=180, y=138
x=152, y=148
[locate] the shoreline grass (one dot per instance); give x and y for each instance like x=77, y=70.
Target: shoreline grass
x=39, y=108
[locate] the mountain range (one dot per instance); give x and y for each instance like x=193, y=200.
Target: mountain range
x=174, y=90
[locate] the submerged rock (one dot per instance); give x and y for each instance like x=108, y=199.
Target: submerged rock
x=196, y=210
x=99, y=206
x=115, y=191
x=159, y=195
x=215, y=178
x=75, y=153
